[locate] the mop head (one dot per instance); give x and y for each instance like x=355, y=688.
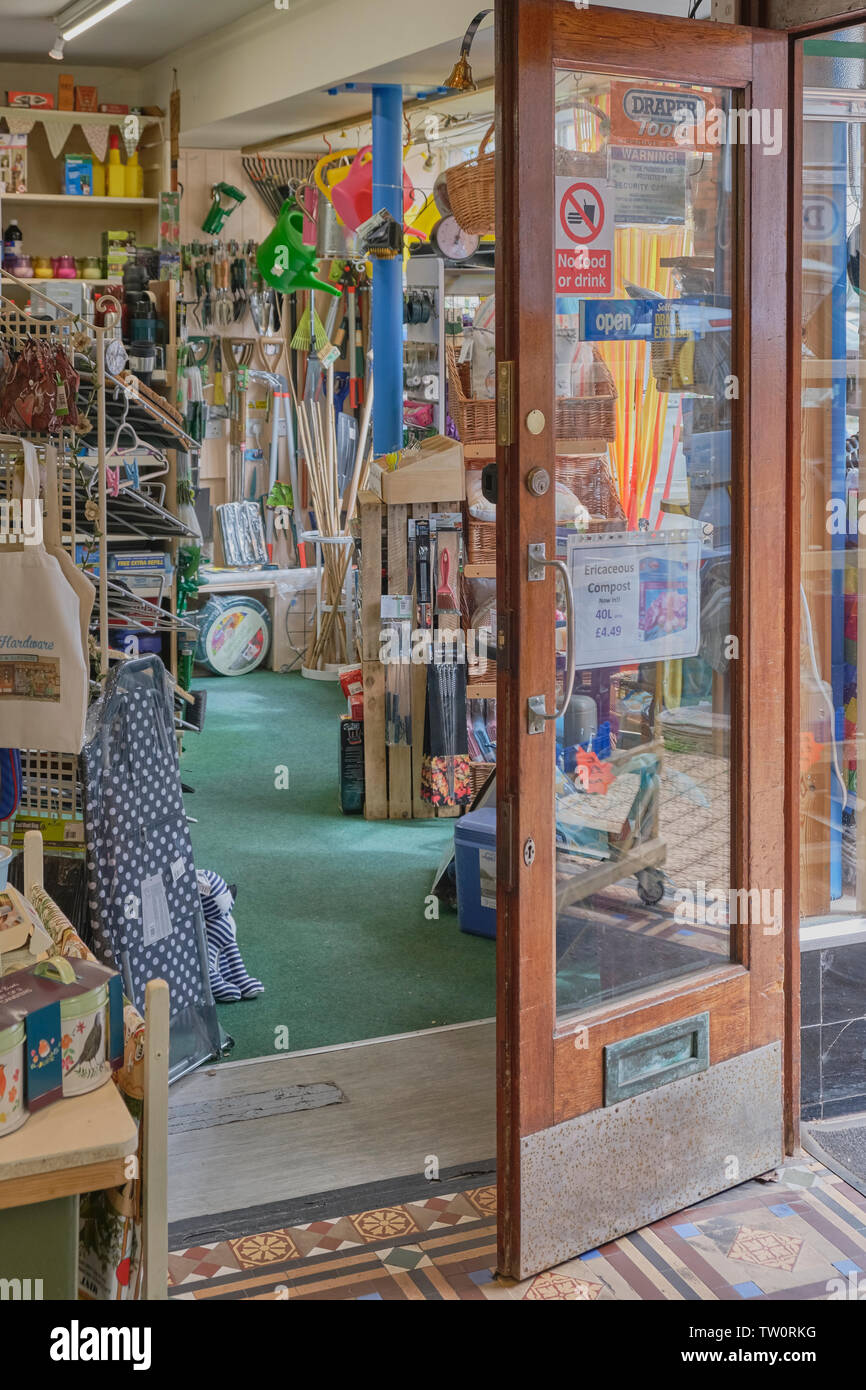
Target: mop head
x=229, y=978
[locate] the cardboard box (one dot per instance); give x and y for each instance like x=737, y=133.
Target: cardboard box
x=351, y=765
x=42, y=99
x=66, y=92
x=78, y=175
x=13, y=163
x=86, y=99
x=113, y=109
x=433, y=473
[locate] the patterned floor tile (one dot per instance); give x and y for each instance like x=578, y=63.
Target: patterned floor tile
x=554, y=1285
x=771, y=1249
x=268, y=1248
x=405, y=1257
x=384, y=1223
x=804, y=1236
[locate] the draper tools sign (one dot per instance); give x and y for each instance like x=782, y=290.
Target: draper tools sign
x=584, y=236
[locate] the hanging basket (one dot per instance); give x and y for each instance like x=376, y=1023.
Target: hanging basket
x=472, y=191
x=588, y=416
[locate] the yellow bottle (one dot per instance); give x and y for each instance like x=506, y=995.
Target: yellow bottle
x=114, y=170
x=134, y=177
x=98, y=179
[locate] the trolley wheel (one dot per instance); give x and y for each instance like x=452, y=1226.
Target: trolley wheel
x=650, y=886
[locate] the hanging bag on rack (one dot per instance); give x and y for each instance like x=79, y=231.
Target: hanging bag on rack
x=84, y=587
x=41, y=390
x=43, y=671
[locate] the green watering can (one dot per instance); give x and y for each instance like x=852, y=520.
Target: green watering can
x=285, y=262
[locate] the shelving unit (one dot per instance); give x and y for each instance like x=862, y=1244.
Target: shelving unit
x=51, y=792
x=80, y=233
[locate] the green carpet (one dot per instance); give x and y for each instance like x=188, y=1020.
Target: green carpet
x=330, y=909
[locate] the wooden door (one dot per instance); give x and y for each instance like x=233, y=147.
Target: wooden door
x=641, y=912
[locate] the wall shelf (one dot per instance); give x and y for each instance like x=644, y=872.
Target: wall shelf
x=79, y=199
x=51, y=116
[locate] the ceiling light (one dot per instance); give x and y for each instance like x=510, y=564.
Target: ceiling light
x=460, y=78
x=77, y=19
x=57, y=51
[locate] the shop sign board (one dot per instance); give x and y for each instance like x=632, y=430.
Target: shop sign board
x=650, y=184
x=822, y=218
x=584, y=240
x=636, y=598
x=649, y=114
x=647, y=320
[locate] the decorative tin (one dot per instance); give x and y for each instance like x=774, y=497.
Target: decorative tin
x=13, y=1112
x=84, y=1020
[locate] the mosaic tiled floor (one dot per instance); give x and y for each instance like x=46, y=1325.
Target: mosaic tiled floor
x=801, y=1237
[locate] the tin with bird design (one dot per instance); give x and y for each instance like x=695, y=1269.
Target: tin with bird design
x=13, y=1112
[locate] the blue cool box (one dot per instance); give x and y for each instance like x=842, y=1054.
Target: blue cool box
x=475, y=856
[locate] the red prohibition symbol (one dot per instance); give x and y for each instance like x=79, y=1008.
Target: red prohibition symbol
x=581, y=213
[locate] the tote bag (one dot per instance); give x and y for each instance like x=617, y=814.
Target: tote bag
x=43, y=671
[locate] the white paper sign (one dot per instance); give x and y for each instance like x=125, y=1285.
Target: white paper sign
x=635, y=600
x=155, y=916
x=584, y=237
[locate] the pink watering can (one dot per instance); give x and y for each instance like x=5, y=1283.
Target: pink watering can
x=353, y=195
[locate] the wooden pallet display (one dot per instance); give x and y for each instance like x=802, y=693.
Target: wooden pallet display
x=392, y=775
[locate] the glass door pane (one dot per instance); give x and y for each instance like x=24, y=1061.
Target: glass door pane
x=645, y=256
x=833, y=517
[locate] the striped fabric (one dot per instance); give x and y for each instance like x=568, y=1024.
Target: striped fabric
x=229, y=978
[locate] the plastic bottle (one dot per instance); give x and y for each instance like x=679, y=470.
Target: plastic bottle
x=98, y=179
x=115, y=172
x=13, y=242
x=134, y=177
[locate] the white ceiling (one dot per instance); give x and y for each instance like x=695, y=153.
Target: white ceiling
x=313, y=108
x=140, y=33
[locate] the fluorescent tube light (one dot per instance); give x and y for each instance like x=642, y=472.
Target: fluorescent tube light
x=77, y=19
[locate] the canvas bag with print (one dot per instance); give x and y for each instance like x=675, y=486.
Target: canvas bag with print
x=43, y=672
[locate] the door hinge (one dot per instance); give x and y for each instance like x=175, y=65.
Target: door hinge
x=505, y=403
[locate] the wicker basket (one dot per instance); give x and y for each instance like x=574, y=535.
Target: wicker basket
x=480, y=772
x=480, y=542
x=475, y=419
x=589, y=478
x=471, y=190
x=577, y=417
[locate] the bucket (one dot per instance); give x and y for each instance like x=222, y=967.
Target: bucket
x=330, y=233
x=5, y=861
x=13, y=1112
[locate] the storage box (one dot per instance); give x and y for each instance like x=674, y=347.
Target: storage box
x=432, y=473
x=86, y=99
x=72, y=1016
x=66, y=92
x=109, y=108
x=78, y=175
x=475, y=856
x=42, y=99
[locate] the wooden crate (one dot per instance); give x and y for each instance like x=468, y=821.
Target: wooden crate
x=392, y=775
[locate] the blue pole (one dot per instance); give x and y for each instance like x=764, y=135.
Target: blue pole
x=387, y=318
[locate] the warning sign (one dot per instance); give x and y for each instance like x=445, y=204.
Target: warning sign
x=584, y=237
